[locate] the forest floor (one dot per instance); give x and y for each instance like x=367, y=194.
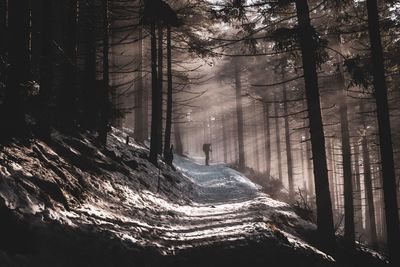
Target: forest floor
x=67, y=202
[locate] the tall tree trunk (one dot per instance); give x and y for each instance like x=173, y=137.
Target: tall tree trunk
x=278, y=138
x=155, y=143
x=369, y=192
x=323, y=200
x=310, y=176
x=19, y=66
x=239, y=112
x=349, y=232
x=67, y=107
x=139, y=94
x=104, y=104
x=255, y=143
x=168, y=124
x=289, y=159
x=146, y=109
x=178, y=139
x=357, y=190
x=3, y=34
x=46, y=73
x=160, y=77
x=385, y=135
x=267, y=142
x=89, y=104
x=224, y=133
x=331, y=155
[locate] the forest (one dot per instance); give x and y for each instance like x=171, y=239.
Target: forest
x=115, y=101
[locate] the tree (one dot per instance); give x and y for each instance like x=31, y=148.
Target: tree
x=18, y=73
x=385, y=135
x=68, y=106
x=104, y=95
x=267, y=137
x=323, y=200
x=168, y=124
x=157, y=13
x=239, y=113
x=289, y=159
x=349, y=231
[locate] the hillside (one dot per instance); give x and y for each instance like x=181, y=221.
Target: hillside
x=69, y=203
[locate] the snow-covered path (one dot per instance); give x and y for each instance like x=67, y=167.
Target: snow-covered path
x=230, y=210
x=217, y=182
x=119, y=197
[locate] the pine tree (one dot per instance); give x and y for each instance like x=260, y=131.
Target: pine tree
x=385, y=135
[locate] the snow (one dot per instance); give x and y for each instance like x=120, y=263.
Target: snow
x=143, y=205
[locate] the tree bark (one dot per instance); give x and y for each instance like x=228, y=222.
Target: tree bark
x=178, y=139
x=67, y=106
x=239, y=112
x=323, y=200
x=160, y=76
x=3, y=34
x=255, y=143
x=104, y=104
x=46, y=70
x=349, y=231
x=330, y=158
x=278, y=138
x=139, y=94
x=168, y=124
x=19, y=67
x=385, y=135
x=89, y=103
x=289, y=159
x=155, y=142
x=267, y=138
x=369, y=192
x=357, y=190
x=224, y=133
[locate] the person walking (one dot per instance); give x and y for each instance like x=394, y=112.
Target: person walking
x=207, y=149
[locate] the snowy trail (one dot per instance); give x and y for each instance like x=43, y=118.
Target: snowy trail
x=231, y=210
x=217, y=182
x=127, y=199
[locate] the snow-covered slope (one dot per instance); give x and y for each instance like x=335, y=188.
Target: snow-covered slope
x=68, y=203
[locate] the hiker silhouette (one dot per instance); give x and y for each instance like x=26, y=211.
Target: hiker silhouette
x=207, y=149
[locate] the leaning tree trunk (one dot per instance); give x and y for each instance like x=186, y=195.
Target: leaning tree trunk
x=239, y=112
x=385, y=135
x=168, y=124
x=324, y=206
